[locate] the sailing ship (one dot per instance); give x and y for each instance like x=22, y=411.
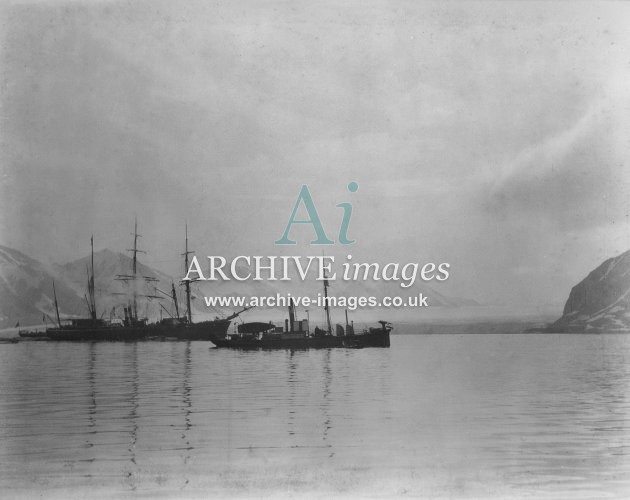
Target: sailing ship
x=132, y=327
x=295, y=334
x=94, y=328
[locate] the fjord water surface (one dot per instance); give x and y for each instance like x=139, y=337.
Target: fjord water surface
x=454, y=416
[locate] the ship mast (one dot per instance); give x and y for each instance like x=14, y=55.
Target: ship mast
x=133, y=309
x=174, y=295
x=91, y=285
x=326, y=305
x=56, y=305
x=187, y=282
x=134, y=269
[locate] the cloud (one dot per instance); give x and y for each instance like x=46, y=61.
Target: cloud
x=573, y=180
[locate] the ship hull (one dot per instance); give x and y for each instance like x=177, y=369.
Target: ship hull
x=205, y=330
x=26, y=334
x=114, y=334
x=378, y=338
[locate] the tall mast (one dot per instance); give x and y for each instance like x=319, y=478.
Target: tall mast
x=56, y=305
x=187, y=282
x=326, y=306
x=174, y=295
x=91, y=284
x=133, y=308
x=134, y=271
x=134, y=267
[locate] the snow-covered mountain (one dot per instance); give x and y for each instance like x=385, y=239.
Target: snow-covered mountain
x=113, y=294
x=26, y=290
x=311, y=288
x=601, y=301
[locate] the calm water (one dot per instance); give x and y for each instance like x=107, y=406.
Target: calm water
x=536, y=416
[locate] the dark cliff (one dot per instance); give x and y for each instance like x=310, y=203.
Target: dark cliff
x=601, y=301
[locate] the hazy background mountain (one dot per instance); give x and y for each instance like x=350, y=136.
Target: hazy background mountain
x=26, y=288
x=26, y=292
x=113, y=293
x=600, y=302
x=311, y=287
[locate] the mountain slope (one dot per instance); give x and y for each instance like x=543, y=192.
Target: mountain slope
x=26, y=288
x=311, y=287
x=26, y=292
x=601, y=301
x=152, y=287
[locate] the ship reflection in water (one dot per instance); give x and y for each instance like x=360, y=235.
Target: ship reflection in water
x=442, y=416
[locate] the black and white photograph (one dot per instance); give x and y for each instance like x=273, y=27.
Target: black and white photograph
x=314, y=249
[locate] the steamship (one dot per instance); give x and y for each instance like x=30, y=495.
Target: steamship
x=295, y=334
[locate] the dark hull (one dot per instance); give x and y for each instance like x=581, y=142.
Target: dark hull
x=32, y=334
x=372, y=339
x=111, y=334
x=206, y=330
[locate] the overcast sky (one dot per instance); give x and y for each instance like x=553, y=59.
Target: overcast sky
x=493, y=136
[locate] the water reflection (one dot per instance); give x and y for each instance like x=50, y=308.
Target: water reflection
x=187, y=402
x=325, y=403
x=292, y=386
x=134, y=403
x=486, y=416
x=91, y=376
x=187, y=405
